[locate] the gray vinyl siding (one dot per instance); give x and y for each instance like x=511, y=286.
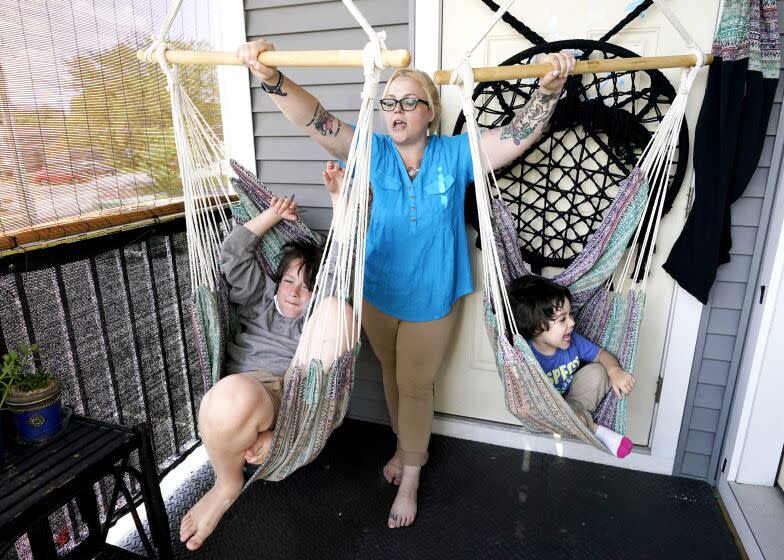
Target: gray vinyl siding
x=725, y=318
x=289, y=162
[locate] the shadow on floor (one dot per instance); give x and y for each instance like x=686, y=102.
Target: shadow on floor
x=475, y=501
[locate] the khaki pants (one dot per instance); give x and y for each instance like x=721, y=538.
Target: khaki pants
x=410, y=354
x=588, y=388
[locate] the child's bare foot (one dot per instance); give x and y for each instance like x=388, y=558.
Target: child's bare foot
x=203, y=517
x=404, y=508
x=257, y=452
x=393, y=470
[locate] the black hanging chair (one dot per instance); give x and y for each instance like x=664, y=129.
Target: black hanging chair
x=558, y=190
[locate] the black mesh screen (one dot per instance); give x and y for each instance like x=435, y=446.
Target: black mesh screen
x=113, y=318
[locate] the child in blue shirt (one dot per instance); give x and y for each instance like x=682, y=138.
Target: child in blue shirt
x=580, y=370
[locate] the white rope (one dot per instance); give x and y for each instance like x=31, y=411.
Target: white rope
x=495, y=19
x=360, y=19
x=656, y=162
x=203, y=171
x=676, y=23
x=203, y=168
x=344, y=257
x=463, y=76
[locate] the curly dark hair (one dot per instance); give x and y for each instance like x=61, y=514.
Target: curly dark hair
x=535, y=301
x=311, y=259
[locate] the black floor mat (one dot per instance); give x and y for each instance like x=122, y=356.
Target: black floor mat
x=475, y=501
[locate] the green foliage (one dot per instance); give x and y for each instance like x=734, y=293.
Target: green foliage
x=122, y=113
x=20, y=372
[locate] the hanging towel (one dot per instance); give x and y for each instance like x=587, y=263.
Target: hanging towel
x=729, y=137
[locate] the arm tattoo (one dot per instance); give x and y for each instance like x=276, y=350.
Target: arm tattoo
x=324, y=122
x=536, y=112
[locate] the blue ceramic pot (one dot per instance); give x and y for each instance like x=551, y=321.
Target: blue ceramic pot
x=37, y=414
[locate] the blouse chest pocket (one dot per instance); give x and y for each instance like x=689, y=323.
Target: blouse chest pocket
x=440, y=193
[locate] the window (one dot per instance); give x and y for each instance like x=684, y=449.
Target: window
x=86, y=134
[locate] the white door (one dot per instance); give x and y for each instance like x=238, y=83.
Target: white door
x=468, y=384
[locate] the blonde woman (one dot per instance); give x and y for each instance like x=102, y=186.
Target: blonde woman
x=416, y=265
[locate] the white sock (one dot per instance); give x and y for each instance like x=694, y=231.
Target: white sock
x=619, y=444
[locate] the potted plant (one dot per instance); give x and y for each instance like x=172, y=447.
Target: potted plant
x=31, y=394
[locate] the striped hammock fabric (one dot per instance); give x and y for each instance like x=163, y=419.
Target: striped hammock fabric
x=315, y=400
x=612, y=320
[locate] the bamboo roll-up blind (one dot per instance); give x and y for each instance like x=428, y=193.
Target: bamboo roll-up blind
x=86, y=135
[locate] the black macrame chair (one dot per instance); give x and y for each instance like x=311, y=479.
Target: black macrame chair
x=558, y=190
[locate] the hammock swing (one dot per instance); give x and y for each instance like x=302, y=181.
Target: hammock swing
x=608, y=300
x=317, y=389
x=316, y=395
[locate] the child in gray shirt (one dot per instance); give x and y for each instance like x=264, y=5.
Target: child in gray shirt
x=238, y=414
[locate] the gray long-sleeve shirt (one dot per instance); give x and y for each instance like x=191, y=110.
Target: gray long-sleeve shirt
x=267, y=340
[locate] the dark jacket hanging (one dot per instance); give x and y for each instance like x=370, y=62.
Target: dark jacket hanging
x=729, y=138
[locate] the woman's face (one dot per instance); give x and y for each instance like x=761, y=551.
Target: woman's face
x=407, y=127
x=293, y=293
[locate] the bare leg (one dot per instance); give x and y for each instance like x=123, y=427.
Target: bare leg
x=231, y=416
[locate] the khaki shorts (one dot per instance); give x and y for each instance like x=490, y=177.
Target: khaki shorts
x=273, y=384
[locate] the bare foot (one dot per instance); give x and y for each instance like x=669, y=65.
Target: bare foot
x=203, y=517
x=257, y=452
x=393, y=470
x=404, y=508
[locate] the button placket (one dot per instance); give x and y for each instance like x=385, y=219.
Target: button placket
x=412, y=207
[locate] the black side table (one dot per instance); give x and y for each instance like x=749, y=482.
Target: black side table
x=36, y=480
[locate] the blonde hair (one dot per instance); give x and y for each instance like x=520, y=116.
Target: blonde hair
x=431, y=92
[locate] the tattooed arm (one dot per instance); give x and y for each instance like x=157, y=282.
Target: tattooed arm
x=503, y=145
x=300, y=107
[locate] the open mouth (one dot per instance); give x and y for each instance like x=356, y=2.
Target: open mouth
x=567, y=338
x=398, y=124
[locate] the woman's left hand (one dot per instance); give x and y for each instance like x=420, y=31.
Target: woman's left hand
x=563, y=65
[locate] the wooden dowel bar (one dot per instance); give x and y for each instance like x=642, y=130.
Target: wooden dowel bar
x=338, y=58
x=520, y=71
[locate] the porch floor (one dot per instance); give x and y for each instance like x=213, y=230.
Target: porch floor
x=475, y=501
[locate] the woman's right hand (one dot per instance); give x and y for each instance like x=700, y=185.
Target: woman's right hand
x=333, y=177
x=248, y=54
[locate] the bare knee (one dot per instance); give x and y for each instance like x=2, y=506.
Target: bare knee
x=233, y=403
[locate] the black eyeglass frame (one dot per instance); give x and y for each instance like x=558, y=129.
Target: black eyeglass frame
x=402, y=106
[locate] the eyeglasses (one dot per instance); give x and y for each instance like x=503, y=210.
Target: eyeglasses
x=407, y=103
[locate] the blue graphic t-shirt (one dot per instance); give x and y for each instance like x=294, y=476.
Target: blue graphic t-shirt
x=561, y=366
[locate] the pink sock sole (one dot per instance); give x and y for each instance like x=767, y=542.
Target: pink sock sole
x=625, y=447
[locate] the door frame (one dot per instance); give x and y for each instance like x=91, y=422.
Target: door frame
x=758, y=389
x=685, y=312
x=234, y=86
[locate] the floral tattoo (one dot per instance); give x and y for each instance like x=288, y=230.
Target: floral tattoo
x=536, y=112
x=324, y=122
